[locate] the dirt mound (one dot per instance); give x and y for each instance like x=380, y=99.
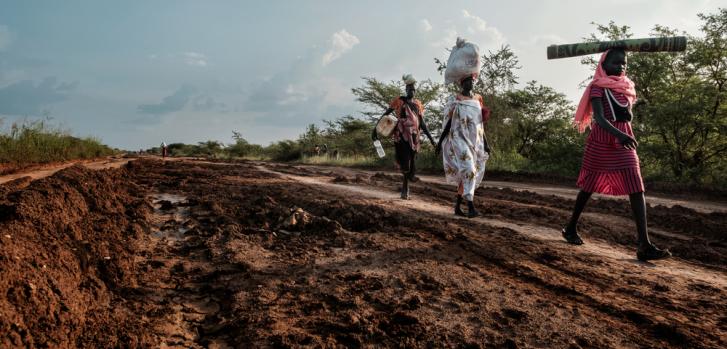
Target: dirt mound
x=194, y=254
x=64, y=254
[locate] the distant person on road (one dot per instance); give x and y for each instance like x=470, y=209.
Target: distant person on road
x=164, y=149
x=317, y=150
x=410, y=113
x=463, y=143
x=610, y=164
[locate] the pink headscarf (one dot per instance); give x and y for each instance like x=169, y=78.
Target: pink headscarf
x=621, y=84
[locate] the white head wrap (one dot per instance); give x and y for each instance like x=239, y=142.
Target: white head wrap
x=408, y=79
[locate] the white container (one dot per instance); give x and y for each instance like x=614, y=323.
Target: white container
x=386, y=125
x=379, y=148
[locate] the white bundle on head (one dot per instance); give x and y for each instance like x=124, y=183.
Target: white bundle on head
x=408, y=79
x=464, y=61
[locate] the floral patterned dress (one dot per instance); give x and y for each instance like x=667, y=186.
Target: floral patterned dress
x=463, y=150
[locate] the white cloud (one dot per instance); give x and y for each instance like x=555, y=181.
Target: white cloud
x=448, y=40
x=478, y=27
x=341, y=42
x=477, y=23
x=5, y=37
x=195, y=59
x=543, y=40
x=424, y=25
x=471, y=27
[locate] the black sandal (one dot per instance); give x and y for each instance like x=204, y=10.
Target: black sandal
x=652, y=253
x=574, y=238
x=457, y=210
x=471, y=212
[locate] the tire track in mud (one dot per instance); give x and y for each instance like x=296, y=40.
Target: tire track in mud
x=176, y=282
x=607, y=285
x=616, y=255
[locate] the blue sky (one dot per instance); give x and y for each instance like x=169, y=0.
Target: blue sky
x=136, y=73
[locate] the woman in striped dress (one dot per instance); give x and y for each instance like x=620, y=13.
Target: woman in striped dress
x=610, y=163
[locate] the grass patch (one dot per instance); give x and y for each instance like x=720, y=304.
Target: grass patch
x=37, y=142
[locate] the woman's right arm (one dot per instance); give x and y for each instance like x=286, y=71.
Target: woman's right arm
x=449, y=110
x=444, y=134
x=374, y=136
x=627, y=141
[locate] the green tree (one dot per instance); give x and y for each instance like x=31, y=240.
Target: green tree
x=499, y=72
x=313, y=136
x=376, y=95
x=540, y=114
x=349, y=136
x=241, y=147
x=498, y=77
x=286, y=150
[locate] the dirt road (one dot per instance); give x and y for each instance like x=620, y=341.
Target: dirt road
x=45, y=171
x=542, y=189
x=196, y=254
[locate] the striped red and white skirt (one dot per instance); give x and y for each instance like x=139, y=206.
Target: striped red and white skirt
x=609, y=168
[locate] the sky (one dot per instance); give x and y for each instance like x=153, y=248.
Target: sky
x=136, y=73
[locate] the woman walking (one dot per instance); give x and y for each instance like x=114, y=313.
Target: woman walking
x=610, y=163
x=410, y=113
x=463, y=143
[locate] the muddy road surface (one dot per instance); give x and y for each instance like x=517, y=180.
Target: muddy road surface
x=192, y=254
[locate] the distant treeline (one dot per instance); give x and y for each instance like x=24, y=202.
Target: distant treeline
x=680, y=119
x=38, y=142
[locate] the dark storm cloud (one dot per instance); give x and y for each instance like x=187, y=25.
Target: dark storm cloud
x=26, y=98
x=169, y=104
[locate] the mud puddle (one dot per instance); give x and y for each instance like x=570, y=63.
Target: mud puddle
x=169, y=217
x=183, y=304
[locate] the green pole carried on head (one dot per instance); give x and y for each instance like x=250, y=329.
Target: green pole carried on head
x=660, y=44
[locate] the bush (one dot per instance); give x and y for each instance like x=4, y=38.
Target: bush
x=37, y=142
x=285, y=151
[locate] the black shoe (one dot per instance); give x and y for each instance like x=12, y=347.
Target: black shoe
x=652, y=253
x=572, y=238
x=457, y=210
x=405, y=189
x=471, y=212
